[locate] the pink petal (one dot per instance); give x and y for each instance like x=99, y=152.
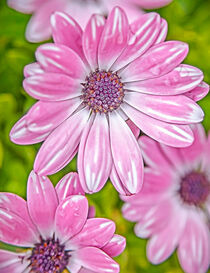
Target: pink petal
x=157, y=61
x=163, y=31
x=117, y=183
x=113, y=39
x=52, y=87
x=69, y=185
x=70, y=217
x=96, y=232
x=126, y=154
x=176, y=109
x=194, y=247
x=169, y=134
x=134, y=212
x=163, y=243
x=66, y=31
x=41, y=119
x=42, y=203
x=21, y=135
x=17, y=205
x=144, y=33
x=196, y=150
x=135, y=130
x=61, y=145
x=94, y=156
x=182, y=79
x=58, y=58
x=96, y=260
x=115, y=246
x=11, y=262
x=91, y=38
x=91, y=212
x=32, y=69
x=16, y=230
x=38, y=28
x=74, y=268
x=151, y=4
x=152, y=153
x=199, y=92
x=24, y=6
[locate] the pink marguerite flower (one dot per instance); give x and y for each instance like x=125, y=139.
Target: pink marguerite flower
x=93, y=85
x=55, y=231
x=173, y=208
x=39, y=27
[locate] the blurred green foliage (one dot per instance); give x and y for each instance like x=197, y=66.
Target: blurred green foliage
x=189, y=21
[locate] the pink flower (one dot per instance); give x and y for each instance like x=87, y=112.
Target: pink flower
x=173, y=207
x=53, y=226
x=39, y=28
x=89, y=83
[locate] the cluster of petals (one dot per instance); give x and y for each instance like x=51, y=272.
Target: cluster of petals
x=161, y=212
x=39, y=28
x=60, y=213
x=158, y=95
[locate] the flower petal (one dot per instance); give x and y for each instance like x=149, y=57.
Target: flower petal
x=69, y=185
x=70, y=217
x=144, y=33
x=32, y=69
x=115, y=246
x=126, y=154
x=175, y=109
x=52, y=87
x=42, y=203
x=66, y=31
x=113, y=39
x=199, y=92
x=11, y=262
x=169, y=134
x=95, y=259
x=16, y=230
x=163, y=31
x=157, y=61
x=58, y=58
x=94, y=156
x=61, y=145
x=91, y=38
x=96, y=232
x=151, y=4
x=194, y=247
x=24, y=6
x=182, y=79
x=135, y=130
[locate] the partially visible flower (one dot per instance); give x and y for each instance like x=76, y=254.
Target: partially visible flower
x=54, y=229
x=39, y=28
x=90, y=83
x=173, y=207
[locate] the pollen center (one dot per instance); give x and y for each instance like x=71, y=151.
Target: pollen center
x=48, y=256
x=194, y=188
x=103, y=91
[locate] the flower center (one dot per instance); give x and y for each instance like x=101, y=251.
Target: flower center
x=49, y=256
x=103, y=91
x=194, y=188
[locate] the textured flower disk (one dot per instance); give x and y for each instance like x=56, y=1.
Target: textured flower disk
x=56, y=231
x=97, y=88
x=173, y=207
x=39, y=28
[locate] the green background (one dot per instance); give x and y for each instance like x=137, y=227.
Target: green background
x=189, y=21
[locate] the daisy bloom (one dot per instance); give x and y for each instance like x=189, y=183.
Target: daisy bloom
x=39, y=28
x=173, y=208
x=90, y=83
x=55, y=231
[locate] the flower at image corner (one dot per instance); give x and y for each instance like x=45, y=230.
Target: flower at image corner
x=173, y=208
x=95, y=86
x=39, y=28
x=54, y=229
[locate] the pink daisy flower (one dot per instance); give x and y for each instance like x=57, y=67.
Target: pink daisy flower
x=39, y=27
x=53, y=228
x=89, y=83
x=173, y=207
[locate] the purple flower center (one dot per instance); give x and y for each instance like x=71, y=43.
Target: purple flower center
x=103, y=91
x=49, y=256
x=194, y=188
